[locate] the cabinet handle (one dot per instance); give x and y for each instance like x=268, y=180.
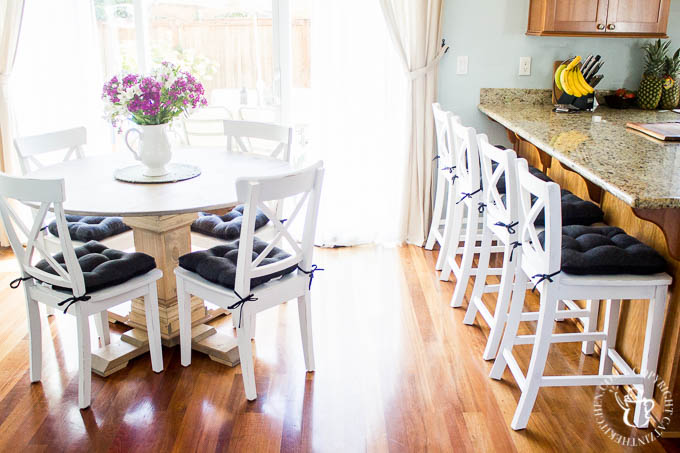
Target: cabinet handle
x=611, y=27
x=600, y=26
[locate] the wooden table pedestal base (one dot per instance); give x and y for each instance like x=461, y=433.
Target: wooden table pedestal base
x=166, y=238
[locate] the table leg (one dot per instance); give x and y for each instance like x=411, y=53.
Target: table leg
x=165, y=238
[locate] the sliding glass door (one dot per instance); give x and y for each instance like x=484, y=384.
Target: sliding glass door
x=241, y=50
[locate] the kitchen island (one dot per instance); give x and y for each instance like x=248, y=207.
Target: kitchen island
x=634, y=178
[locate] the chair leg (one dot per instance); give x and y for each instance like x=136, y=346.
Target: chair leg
x=502, y=303
x=245, y=353
x=454, y=224
x=253, y=325
x=34, y=338
x=468, y=254
x=480, y=278
x=437, y=212
x=153, y=328
x=650, y=356
x=539, y=355
x=184, y=308
x=611, y=324
x=101, y=323
x=305, y=315
x=590, y=325
x=84, y=360
x=514, y=317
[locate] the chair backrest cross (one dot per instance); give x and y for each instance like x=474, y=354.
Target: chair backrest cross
x=43, y=194
x=442, y=124
x=535, y=196
x=466, y=158
x=302, y=185
x=498, y=208
x=71, y=141
x=250, y=136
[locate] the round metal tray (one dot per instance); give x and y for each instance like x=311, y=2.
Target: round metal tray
x=135, y=174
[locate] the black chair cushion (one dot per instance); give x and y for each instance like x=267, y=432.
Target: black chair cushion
x=103, y=267
x=575, y=211
x=218, y=264
x=606, y=250
x=228, y=226
x=90, y=228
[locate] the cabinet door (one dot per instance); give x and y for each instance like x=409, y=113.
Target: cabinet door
x=638, y=16
x=577, y=16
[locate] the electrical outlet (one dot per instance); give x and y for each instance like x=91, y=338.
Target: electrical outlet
x=462, y=67
x=525, y=66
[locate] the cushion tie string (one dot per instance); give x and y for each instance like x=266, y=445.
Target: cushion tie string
x=72, y=300
x=283, y=221
x=436, y=157
x=543, y=277
x=468, y=195
x=514, y=246
x=310, y=272
x=480, y=207
x=450, y=169
x=14, y=284
x=241, y=301
x=510, y=227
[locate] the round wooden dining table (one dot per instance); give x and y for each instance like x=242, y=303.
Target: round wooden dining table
x=160, y=216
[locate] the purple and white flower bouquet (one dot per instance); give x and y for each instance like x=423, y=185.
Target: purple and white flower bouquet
x=152, y=99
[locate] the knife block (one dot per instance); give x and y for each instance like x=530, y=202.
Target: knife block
x=560, y=97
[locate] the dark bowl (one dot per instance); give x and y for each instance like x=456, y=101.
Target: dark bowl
x=617, y=102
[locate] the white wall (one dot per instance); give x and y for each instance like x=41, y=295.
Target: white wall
x=492, y=34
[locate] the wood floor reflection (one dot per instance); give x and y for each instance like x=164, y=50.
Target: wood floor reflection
x=396, y=371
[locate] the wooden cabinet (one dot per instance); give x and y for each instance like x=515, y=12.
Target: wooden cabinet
x=606, y=18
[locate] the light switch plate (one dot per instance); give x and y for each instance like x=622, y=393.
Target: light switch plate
x=462, y=65
x=525, y=66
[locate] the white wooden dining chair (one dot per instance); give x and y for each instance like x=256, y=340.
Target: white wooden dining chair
x=37, y=151
x=272, y=140
x=242, y=297
x=58, y=280
x=34, y=152
x=501, y=221
x=542, y=261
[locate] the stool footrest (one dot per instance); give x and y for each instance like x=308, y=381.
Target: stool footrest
x=559, y=315
x=564, y=337
x=606, y=379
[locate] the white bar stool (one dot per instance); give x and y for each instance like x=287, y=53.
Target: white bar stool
x=445, y=173
x=542, y=259
x=465, y=206
x=502, y=222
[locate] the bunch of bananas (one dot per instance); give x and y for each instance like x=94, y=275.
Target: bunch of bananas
x=569, y=79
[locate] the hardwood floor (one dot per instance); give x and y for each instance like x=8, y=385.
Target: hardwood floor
x=397, y=370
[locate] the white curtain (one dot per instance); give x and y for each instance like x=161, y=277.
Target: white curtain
x=11, y=12
x=415, y=27
x=58, y=72
x=358, y=124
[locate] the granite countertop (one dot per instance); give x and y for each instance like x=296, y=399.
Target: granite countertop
x=642, y=172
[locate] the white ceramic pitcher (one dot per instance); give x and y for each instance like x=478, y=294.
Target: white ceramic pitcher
x=154, y=148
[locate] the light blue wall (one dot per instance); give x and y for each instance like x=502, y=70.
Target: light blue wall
x=492, y=34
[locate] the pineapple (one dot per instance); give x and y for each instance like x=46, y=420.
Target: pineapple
x=671, y=92
x=651, y=86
